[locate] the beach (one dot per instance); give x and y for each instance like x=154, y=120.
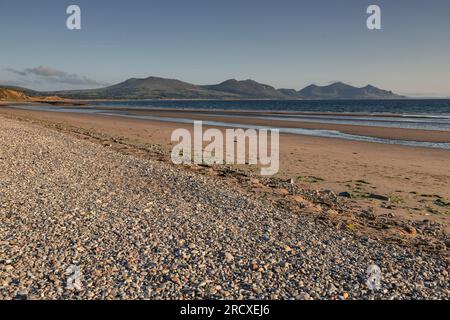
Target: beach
x=227, y=159
x=415, y=180
x=137, y=227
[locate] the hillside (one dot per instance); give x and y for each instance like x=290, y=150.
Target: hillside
x=341, y=90
x=12, y=95
x=161, y=88
x=247, y=88
x=148, y=88
x=17, y=94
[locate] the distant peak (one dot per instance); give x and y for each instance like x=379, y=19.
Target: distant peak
x=339, y=83
x=239, y=81
x=153, y=78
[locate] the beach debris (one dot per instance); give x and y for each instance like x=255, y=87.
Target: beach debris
x=378, y=197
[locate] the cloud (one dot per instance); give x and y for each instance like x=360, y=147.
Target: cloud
x=18, y=72
x=49, y=75
x=45, y=72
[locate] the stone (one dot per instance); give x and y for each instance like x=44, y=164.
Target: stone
x=175, y=279
x=303, y=296
x=229, y=257
x=412, y=231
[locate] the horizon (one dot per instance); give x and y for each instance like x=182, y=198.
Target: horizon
x=285, y=45
x=239, y=80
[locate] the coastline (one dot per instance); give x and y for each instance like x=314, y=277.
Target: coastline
x=251, y=118
x=369, y=131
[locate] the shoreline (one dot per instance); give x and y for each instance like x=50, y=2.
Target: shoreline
x=367, y=131
x=379, y=132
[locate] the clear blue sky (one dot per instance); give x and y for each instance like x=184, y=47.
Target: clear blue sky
x=282, y=43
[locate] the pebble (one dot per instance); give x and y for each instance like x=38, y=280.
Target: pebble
x=228, y=257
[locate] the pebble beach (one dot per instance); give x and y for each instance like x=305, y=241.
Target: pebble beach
x=138, y=228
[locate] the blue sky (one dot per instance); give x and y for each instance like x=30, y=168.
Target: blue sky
x=286, y=44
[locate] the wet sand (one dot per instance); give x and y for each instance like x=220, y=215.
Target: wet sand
x=377, y=132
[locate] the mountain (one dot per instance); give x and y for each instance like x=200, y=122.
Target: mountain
x=148, y=88
x=341, y=90
x=161, y=88
x=289, y=93
x=247, y=88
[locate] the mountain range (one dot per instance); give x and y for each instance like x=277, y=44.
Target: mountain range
x=161, y=88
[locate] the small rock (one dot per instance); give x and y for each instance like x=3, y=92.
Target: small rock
x=303, y=296
x=410, y=230
x=9, y=267
x=228, y=257
x=175, y=279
